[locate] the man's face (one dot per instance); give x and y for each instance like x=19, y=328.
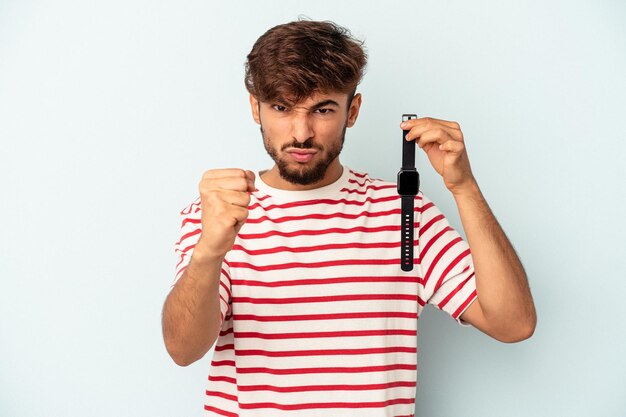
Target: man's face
x=304, y=139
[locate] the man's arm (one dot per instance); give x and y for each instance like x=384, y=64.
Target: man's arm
x=504, y=308
x=191, y=314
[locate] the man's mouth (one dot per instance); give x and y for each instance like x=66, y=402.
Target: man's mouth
x=301, y=155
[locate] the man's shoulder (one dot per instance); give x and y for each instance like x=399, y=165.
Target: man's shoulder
x=192, y=209
x=363, y=179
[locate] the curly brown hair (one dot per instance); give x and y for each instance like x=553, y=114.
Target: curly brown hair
x=292, y=61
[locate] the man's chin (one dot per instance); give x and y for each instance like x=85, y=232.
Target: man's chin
x=301, y=173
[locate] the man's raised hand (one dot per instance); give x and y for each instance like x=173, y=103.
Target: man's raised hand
x=445, y=147
x=225, y=196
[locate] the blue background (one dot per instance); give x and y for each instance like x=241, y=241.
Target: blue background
x=111, y=111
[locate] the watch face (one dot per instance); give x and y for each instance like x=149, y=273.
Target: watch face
x=408, y=182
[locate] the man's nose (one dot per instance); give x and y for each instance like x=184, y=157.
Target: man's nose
x=301, y=127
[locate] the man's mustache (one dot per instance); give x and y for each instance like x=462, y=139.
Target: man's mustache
x=307, y=144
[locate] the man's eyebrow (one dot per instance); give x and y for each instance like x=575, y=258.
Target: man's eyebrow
x=283, y=102
x=324, y=104
x=287, y=103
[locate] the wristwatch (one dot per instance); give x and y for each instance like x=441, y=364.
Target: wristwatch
x=408, y=186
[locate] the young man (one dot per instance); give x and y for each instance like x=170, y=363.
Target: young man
x=295, y=273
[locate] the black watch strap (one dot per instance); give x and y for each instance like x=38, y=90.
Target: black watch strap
x=408, y=202
x=408, y=152
x=407, y=230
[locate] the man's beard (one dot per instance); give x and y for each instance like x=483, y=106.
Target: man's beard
x=304, y=175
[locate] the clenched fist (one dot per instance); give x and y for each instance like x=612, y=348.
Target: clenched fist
x=225, y=197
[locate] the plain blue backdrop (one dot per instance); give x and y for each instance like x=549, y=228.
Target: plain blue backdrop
x=111, y=111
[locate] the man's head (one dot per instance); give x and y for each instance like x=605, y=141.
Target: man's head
x=302, y=77
x=294, y=60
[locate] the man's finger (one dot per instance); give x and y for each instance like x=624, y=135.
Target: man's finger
x=436, y=135
x=233, y=217
x=453, y=146
x=225, y=183
x=421, y=129
x=250, y=175
x=420, y=121
x=236, y=198
x=225, y=173
x=251, y=179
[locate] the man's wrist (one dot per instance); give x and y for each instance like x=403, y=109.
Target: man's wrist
x=469, y=189
x=204, y=268
x=204, y=256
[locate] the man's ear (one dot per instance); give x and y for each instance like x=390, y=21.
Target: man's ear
x=254, y=105
x=353, y=111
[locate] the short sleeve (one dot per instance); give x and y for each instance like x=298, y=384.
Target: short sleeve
x=191, y=228
x=448, y=280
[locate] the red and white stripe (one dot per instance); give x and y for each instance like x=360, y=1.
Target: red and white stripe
x=318, y=318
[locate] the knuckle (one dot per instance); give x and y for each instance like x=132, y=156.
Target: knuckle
x=220, y=208
x=205, y=184
x=243, y=182
x=208, y=174
x=456, y=145
x=210, y=195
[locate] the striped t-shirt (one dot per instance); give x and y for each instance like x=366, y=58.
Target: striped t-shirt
x=318, y=319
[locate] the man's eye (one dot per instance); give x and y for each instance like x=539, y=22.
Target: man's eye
x=280, y=108
x=324, y=111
